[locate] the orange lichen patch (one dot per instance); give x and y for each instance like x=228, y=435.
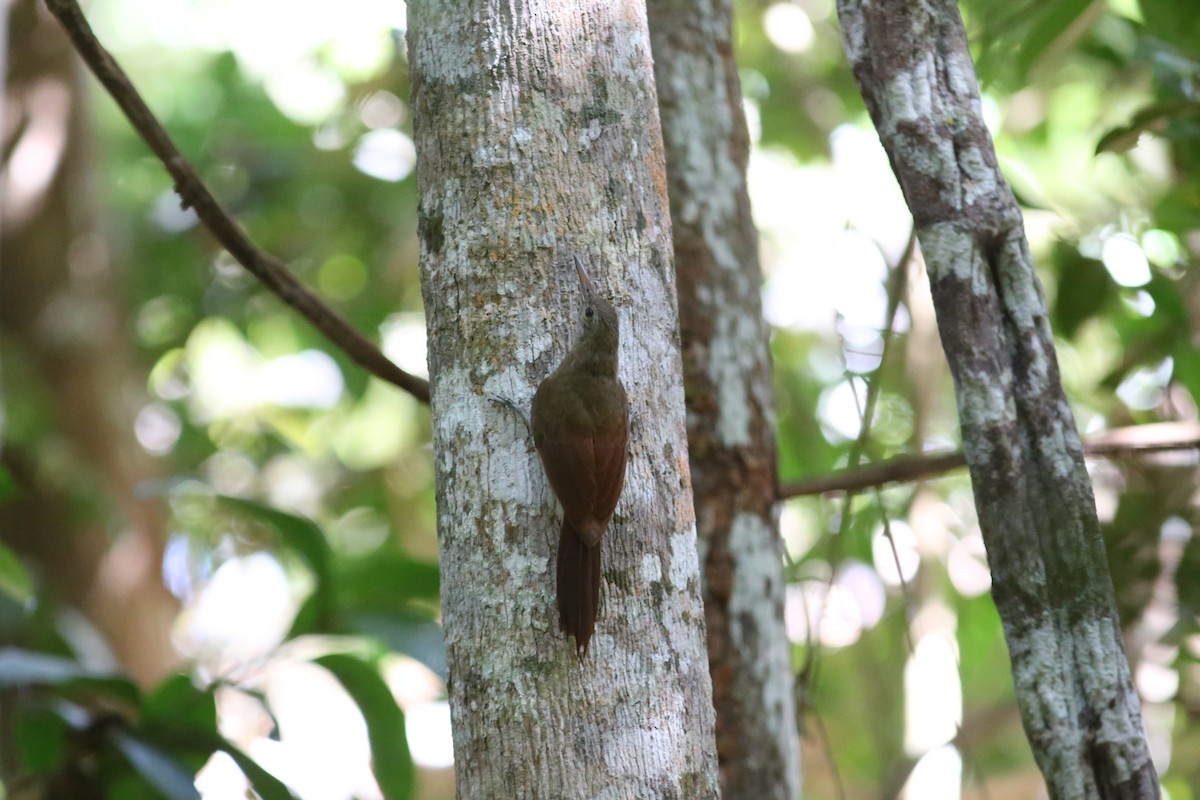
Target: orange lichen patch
x=685, y=470
x=658, y=178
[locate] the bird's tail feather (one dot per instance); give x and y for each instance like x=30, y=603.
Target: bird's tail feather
x=578, y=587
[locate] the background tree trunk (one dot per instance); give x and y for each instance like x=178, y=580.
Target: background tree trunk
x=537, y=137
x=730, y=402
x=75, y=458
x=1050, y=579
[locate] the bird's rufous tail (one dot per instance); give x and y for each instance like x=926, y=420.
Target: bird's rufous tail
x=578, y=587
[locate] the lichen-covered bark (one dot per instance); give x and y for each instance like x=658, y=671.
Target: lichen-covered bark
x=1050, y=579
x=727, y=372
x=537, y=137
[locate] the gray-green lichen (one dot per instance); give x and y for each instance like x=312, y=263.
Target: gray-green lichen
x=1035, y=505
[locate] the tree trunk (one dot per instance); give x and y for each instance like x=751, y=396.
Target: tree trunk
x=1050, y=579
x=730, y=402
x=61, y=314
x=538, y=138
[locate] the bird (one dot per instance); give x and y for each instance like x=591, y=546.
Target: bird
x=580, y=424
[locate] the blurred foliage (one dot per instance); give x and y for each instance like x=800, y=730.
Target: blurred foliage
x=272, y=444
x=79, y=732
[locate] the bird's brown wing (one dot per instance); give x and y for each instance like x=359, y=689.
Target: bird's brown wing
x=610, y=452
x=586, y=468
x=587, y=474
x=570, y=468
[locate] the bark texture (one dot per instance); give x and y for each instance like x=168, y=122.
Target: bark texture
x=538, y=137
x=730, y=402
x=1050, y=579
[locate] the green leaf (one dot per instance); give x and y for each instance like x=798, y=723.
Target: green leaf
x=1187, y=368
x=1131, y=543
x=14, y=579
x=1174, y=22
x=1084, y=288
x=1052, y=26
x=421, y=639
x=176, y=702
x=386, y=581
x=207, y=742
x=299, y=534
x=308, y=620
x=1154, y=118
x=41, y=738
x=267, y=785
x=8, y=487
x=390, y=758
x=184, y=716
x=111, y=687
x=1187, y=580
x=159, y=769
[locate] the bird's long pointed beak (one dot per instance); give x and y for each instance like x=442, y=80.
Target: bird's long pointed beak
x=583, y=276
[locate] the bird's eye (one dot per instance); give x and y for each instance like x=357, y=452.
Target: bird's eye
x=588, y=312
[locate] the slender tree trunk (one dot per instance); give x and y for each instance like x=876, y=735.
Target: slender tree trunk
x=727, y=372
x=538, y=138
x=61, y=311
x=1050, y=579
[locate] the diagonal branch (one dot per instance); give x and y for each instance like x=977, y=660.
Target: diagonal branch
x=1131, y=441
x=194, y=194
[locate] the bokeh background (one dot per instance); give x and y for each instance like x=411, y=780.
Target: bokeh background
x=195, y=484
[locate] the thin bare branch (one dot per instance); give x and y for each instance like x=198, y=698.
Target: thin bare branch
x=1130, y=441
x=808, y=674
x=902, y=469
x=194, y=194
